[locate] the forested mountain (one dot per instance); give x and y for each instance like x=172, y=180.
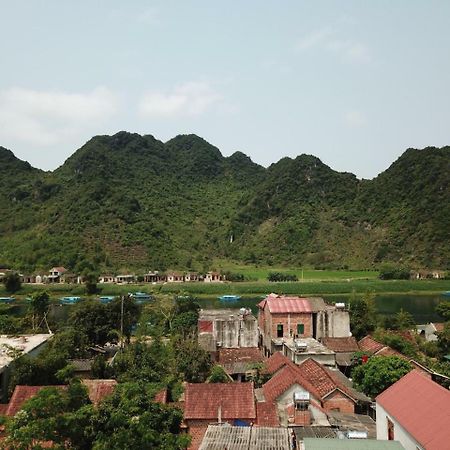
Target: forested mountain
x=131, y=201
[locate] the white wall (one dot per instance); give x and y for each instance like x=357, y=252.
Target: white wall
x=400, y=434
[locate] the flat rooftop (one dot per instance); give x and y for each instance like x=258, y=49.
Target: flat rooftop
x=312, y=345
x=23, y=344
x=225, y=314
x=220, y=437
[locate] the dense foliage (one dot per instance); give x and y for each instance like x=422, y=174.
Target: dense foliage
x=378, y=373
x=132, y=201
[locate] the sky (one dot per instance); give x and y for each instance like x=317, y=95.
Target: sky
x=354, y=83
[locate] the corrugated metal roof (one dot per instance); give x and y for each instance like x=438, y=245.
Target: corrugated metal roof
x=350, y=444
x=422, y=407
x=281, y=304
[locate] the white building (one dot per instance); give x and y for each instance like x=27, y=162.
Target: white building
x=416, y=412
x=12, y=348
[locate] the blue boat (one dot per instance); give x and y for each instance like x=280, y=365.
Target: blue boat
x=229, y=298
x=446, y=294
x=6, y=299
x=141, y=297
x=69, y=300
x=106, y=299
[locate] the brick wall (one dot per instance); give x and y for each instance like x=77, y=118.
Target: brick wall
x=289, y=322
x=197, y=430
x=338, y=401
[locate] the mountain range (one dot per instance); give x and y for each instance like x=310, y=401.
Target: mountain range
x=133, y=202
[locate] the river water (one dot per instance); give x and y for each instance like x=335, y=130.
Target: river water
x=422, y=307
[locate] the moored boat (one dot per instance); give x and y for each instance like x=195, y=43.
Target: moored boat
x=141, y=297
x=106, y=299
x=69, y=300
x=229, y=298
x=6, y=299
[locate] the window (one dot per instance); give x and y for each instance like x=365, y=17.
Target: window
x=300, y=328
x=279, y=330
x=390, y=429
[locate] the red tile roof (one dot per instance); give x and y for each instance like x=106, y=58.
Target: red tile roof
x=236, y=400
x=99, y=389
x=370, y=345
x=315, y=378
x=161, y=396
x=22, y=394
x=341, y=344
x=266, y=414
x=421, y=407
x=276, y=362
x=282, y=304
x=283, y=380
x=237, y=360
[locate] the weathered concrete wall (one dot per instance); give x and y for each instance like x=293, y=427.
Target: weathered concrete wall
x=236, y=333
x=333, y=323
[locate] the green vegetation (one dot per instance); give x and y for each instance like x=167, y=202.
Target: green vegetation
x=12, y=282
x=378, y=373
x=132, y=202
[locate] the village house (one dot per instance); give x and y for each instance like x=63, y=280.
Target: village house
x=349, y=444
x=429, y=331
x=208, y=403
x=55, y=274
x=239, y=363
x=154, y=277
x=416, y=412
x=12, y=348
x=191, y=276
x=125, y=279
x=227, y=328
x=282, y=317
x=212, y=277
x=97, y=391
x=305, y=394
x=106, y=279
x=245, y=438
x=344, y=349
x=175, y=277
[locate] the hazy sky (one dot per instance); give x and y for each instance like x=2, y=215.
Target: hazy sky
x=352, y=82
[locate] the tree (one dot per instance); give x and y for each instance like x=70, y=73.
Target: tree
x=218, y=375
x=443, y=309
x=61, y=416
x=363, y=316
x=131, y=419
x=192, y=362
x=444, y=340
x=404, y=320
x=379, y=373
x=39, y=304
x=12, y=282
x=90, y=281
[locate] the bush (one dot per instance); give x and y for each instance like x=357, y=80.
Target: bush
x=280, y=276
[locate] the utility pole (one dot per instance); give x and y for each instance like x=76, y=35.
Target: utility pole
x=121, y=322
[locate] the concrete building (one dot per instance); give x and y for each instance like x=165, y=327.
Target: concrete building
x=12, y=348
x=300, y=349
x=227, y=328
x=281, y=318
x=415, y=411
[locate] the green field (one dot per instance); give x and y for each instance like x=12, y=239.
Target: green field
x=260, y=273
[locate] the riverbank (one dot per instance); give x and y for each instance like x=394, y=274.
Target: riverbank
x=310, y=287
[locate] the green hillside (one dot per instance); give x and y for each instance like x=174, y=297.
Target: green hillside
x=133, y=202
